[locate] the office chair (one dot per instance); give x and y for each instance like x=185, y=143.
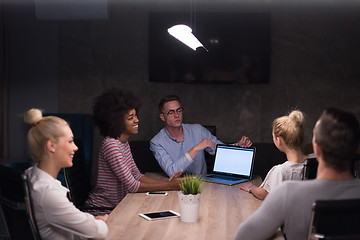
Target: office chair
x=83, y=128
x=335, y=219
x=144, y=158
x=210, y=159
x=267, y=156
x=356, y=166
x=16, y=205
x=310, y=168
x=311, y=165
x=78, y=181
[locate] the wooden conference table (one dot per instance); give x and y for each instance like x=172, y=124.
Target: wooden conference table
x=222, y=209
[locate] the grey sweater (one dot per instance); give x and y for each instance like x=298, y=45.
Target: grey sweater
x=290, y=205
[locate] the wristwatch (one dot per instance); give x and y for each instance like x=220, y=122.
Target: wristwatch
x=249, y=188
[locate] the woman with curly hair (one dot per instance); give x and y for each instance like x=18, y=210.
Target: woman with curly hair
x=288, y=137
x=115, y=114
x=51, y=145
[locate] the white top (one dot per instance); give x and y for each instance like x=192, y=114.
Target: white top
x=57, y=217
x=282, y=172
x=289, y=205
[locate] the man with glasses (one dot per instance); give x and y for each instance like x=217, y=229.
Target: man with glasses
x=180, y=147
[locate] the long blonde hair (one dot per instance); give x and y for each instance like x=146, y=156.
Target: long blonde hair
x=42, y=129
x=290, y=128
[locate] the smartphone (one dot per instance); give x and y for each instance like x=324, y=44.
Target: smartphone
x=159, y=215
x=157, y=193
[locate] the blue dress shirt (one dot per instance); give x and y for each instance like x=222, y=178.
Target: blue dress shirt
x=170, y=153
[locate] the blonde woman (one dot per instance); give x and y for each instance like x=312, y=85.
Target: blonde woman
x=288, y=137
x=51, y=145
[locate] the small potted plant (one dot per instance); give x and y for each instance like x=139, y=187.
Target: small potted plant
x=189, y=198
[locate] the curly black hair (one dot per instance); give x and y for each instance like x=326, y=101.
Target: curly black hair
x=109, y=111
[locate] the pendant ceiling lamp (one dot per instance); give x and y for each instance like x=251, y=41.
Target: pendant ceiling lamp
x=184, y=34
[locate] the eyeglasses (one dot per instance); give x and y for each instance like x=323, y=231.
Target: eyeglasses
x=179, y=111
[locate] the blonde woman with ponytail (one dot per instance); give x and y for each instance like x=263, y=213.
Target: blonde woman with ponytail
x=288, y=137
x=51, y=146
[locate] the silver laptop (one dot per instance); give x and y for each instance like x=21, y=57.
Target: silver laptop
x=232, y=165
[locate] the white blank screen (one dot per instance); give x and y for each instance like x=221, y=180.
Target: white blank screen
x=233, y=160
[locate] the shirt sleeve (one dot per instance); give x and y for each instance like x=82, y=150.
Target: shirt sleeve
x=207, y=134
x=166, y=161
x=272, y=179
x=267, y=219
x=61, y=213
x=136, y=173
x=121, y=167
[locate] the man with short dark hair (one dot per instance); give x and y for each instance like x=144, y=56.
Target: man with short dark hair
x=180, y=147
x=336, y=137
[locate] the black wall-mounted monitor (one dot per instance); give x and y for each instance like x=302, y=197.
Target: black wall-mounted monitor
x=238, y=43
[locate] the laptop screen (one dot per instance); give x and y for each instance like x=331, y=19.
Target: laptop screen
x=234, y=160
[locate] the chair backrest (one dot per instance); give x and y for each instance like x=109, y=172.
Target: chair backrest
x=335, y=219
x=210, y=159
x=310, y=168
x=311, y=165
x=143, y=157
x=16, y=204
x=83, y=128
x=77, y=178
x=267, y=156
x=78, y=182
x=356, y=165
x=30, y=207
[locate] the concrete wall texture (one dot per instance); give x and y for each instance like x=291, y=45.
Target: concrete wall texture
x=314, y=65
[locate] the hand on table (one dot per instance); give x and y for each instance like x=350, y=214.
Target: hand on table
x=174, y=180
x=175, y=175
x=103, y=217
x=246, y=186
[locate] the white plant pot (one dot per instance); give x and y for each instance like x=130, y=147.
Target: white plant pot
x=189, y=207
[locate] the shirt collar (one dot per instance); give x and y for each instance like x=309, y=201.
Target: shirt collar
x=168, y=134
x=47, y=177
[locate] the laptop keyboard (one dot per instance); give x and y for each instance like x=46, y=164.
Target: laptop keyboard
x=223, y=177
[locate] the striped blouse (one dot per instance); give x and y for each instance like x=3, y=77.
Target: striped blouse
x=117, y=174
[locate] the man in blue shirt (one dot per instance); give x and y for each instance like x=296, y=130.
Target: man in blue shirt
x=180, y=147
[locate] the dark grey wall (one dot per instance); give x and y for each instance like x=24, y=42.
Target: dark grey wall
x=32, y=69
x=314, y=64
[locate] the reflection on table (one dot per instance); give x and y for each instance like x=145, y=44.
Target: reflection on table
x=222, y=209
